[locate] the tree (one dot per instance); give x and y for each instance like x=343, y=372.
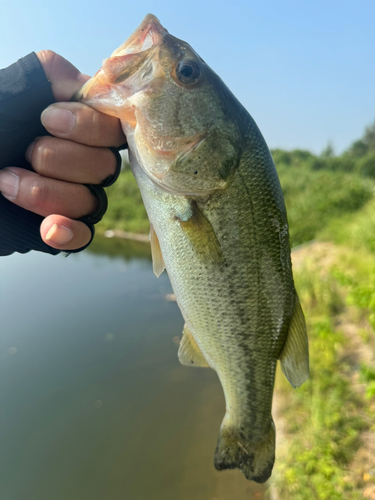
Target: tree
x=364, y=145
x=328, y=151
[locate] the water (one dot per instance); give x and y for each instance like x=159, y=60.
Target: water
x=94, y=404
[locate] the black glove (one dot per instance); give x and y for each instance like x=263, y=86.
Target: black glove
x=24, y=93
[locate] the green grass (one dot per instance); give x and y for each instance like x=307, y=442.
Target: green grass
x=315, y=198
x=367, y=376
x=355, y=229
x=323, y=195
x=325, y=416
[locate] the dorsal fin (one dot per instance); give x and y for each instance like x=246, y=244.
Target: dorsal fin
x=295, y=355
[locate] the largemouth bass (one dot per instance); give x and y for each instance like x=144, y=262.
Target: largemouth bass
x=218, y=225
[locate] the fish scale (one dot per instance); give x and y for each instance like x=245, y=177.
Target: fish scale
x=218, y=329
x=218, y=226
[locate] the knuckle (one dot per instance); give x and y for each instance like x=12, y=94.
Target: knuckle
x=109, y=168
x=47, y=54
x=97, y=130
x=92, y=204
x=47, y=58
x=38, y=197
x=43, y=157
x=104, y=164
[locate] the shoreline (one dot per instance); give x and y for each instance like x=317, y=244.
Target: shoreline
x=118, y=233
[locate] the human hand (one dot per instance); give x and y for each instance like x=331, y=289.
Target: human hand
x=76, y=154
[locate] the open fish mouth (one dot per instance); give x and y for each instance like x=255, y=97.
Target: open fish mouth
x=149, y=33
x=124, y=62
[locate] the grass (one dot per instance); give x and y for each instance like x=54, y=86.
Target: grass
x=367, y=376
x=325, y=417
x=354, y=229
x=316, y=198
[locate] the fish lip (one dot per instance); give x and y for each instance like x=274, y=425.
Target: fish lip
x=150, y=30
x=148, y=34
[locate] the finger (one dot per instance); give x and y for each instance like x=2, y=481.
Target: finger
x=64, y=77
x=80, y=123
x=71, y=161
x=46, y=196
x=63, y=233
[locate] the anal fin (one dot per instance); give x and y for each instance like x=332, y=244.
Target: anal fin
x=294, y=358
x=189, y=353
x=158, y=265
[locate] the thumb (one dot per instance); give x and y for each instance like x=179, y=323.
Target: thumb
x=64, y=77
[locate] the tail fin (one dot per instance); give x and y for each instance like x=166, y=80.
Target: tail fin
x=254, y=459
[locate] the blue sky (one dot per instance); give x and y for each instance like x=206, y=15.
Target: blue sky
x=305, y=70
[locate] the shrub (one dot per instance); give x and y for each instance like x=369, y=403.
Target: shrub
x=366, y=165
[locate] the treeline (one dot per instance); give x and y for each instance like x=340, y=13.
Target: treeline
x=359, y=158
x=320, y=189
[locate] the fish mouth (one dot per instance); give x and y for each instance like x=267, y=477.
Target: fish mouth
x=123, y=63
x=149, y=33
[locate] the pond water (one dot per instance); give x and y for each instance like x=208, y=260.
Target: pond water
x=94, y=404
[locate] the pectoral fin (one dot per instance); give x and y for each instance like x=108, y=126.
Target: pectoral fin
x=158, y=265
x=189, y=353
x=295, y=355
x=202, y=235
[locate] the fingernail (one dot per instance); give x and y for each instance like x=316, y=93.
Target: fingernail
x=59, y=234
x=9, y=184
x=58, y=120
x=29, y=151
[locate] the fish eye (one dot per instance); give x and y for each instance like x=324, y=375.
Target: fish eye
x=188, y=71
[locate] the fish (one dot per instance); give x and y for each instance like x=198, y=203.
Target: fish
x=218, y=226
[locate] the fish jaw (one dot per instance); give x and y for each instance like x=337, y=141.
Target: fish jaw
x=149, y=33
x=111, y=88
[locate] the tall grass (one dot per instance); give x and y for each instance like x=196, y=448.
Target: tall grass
x=356, y=229
x=324, y=418
x=315, y=198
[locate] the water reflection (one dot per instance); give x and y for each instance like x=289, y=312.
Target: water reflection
x=118, y=247
x=94, y=404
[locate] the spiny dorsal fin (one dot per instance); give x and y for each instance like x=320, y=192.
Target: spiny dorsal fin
x=158, y=265
x=189, y=353
x=295, y=355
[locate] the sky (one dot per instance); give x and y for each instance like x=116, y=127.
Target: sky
x=304, y=69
